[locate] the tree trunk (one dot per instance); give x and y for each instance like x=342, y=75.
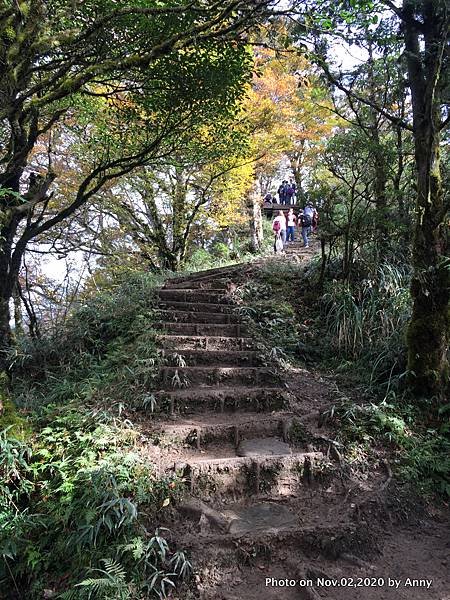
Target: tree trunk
x=18, y=320
x=401, y=206
x=295, y=162
x=5, y=329
x=381, y=223
x=323, y=263
x=254, y=202
x=179, y=219
x=9, y=271
x=428, y=329
x=380, y=171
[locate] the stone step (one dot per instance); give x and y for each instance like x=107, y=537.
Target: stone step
x=210, y=329
x=276, y=475
x=220, y=358
x=262, y=523
x=186, y=316
x=239, y=519
x=210, y=274
x=194, y=295
x=201, y=342
x=203, y=429
x=179, y=377
x=196, y=306
x=215, y=284
x=222, y=399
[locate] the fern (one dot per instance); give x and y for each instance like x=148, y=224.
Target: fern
x=111, y=583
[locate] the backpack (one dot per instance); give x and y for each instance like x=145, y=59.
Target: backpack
x=276, y=226
x=305, y=220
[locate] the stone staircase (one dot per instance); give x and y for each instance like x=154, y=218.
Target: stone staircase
x=224, y=402
x=264, y=499
x=230, y=430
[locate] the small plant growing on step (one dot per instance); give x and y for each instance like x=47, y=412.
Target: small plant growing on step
x=180, y=381
x=278, y=355
x=149, y=402
x=181, y=565
x=178, y=360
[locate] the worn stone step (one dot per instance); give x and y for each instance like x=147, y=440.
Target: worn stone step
x=220, y=358
x=211, y=273
x=201, y=342
x=222, y=399
x=203, y=429
x=185, y=316
x=196, y=306
x=194, y=295
x=249, y=475
x=214, y=284
x=249, y=523
x=209, y=329
x=214, y=375
x=239, y=519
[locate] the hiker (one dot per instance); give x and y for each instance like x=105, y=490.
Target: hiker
x=291, y=220
x=282, y=192
x=279, y=228
x=289, y=194
x=268, y=198
x=306, y=222
x=294, y=188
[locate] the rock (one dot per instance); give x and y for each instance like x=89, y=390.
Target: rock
x=262, y=447
x=205, y=514
x=262, y=516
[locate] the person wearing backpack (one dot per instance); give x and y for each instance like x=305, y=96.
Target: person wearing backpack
x=289, y=194
x=282, y=193
x=279, y=228
x=306, y=222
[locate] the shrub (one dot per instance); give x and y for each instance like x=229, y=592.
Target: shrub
x=79, y=495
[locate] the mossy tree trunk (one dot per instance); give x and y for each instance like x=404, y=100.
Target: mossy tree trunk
x=428, y=331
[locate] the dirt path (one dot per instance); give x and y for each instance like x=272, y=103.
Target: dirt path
x=272, y=513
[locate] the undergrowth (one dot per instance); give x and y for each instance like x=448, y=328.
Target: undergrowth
x=79, y=504
x=238, y=250
x=104, y=354
x=357, y=331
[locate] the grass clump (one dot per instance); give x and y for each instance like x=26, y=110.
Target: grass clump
x=270, y=303
x=365, y=325
x=104, y=354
